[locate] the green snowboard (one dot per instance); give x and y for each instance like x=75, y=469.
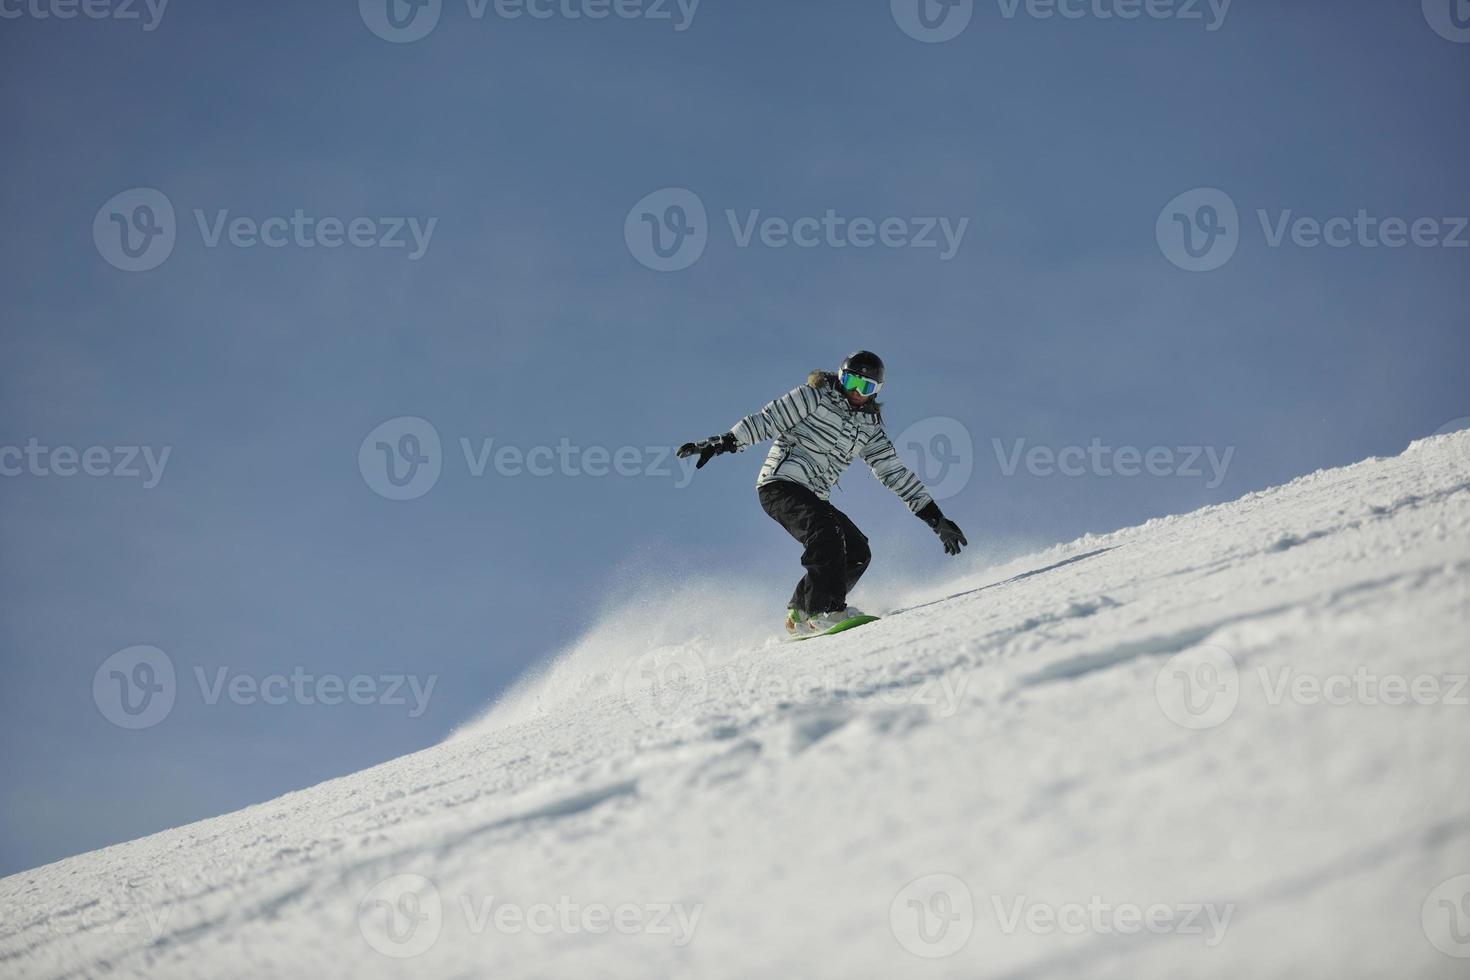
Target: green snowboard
x=841, y=627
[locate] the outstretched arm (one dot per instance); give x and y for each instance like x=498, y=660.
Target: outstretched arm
x=778, y=416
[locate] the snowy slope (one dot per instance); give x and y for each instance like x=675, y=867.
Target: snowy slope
x=1115, y=766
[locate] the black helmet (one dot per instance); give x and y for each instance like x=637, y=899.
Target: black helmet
x=865, y=363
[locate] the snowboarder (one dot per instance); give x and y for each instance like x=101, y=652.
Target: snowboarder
x=818, y=428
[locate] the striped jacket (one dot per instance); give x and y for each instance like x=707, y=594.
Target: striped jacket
x=817, y=436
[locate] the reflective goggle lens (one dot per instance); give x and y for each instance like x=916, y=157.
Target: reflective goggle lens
x=858, y=383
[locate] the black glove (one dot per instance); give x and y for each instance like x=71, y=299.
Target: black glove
x=708, y=448
x=949, y=532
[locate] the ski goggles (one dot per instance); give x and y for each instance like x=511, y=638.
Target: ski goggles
x=858, y=383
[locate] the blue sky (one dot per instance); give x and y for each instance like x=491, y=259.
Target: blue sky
x=528, y=319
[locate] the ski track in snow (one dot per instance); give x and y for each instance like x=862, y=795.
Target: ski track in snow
x=1009, y=735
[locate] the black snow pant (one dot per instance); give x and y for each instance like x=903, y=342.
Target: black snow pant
x=836, y=552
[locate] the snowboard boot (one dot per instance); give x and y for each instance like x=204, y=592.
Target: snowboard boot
x=822, y=622
x=796, y=622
